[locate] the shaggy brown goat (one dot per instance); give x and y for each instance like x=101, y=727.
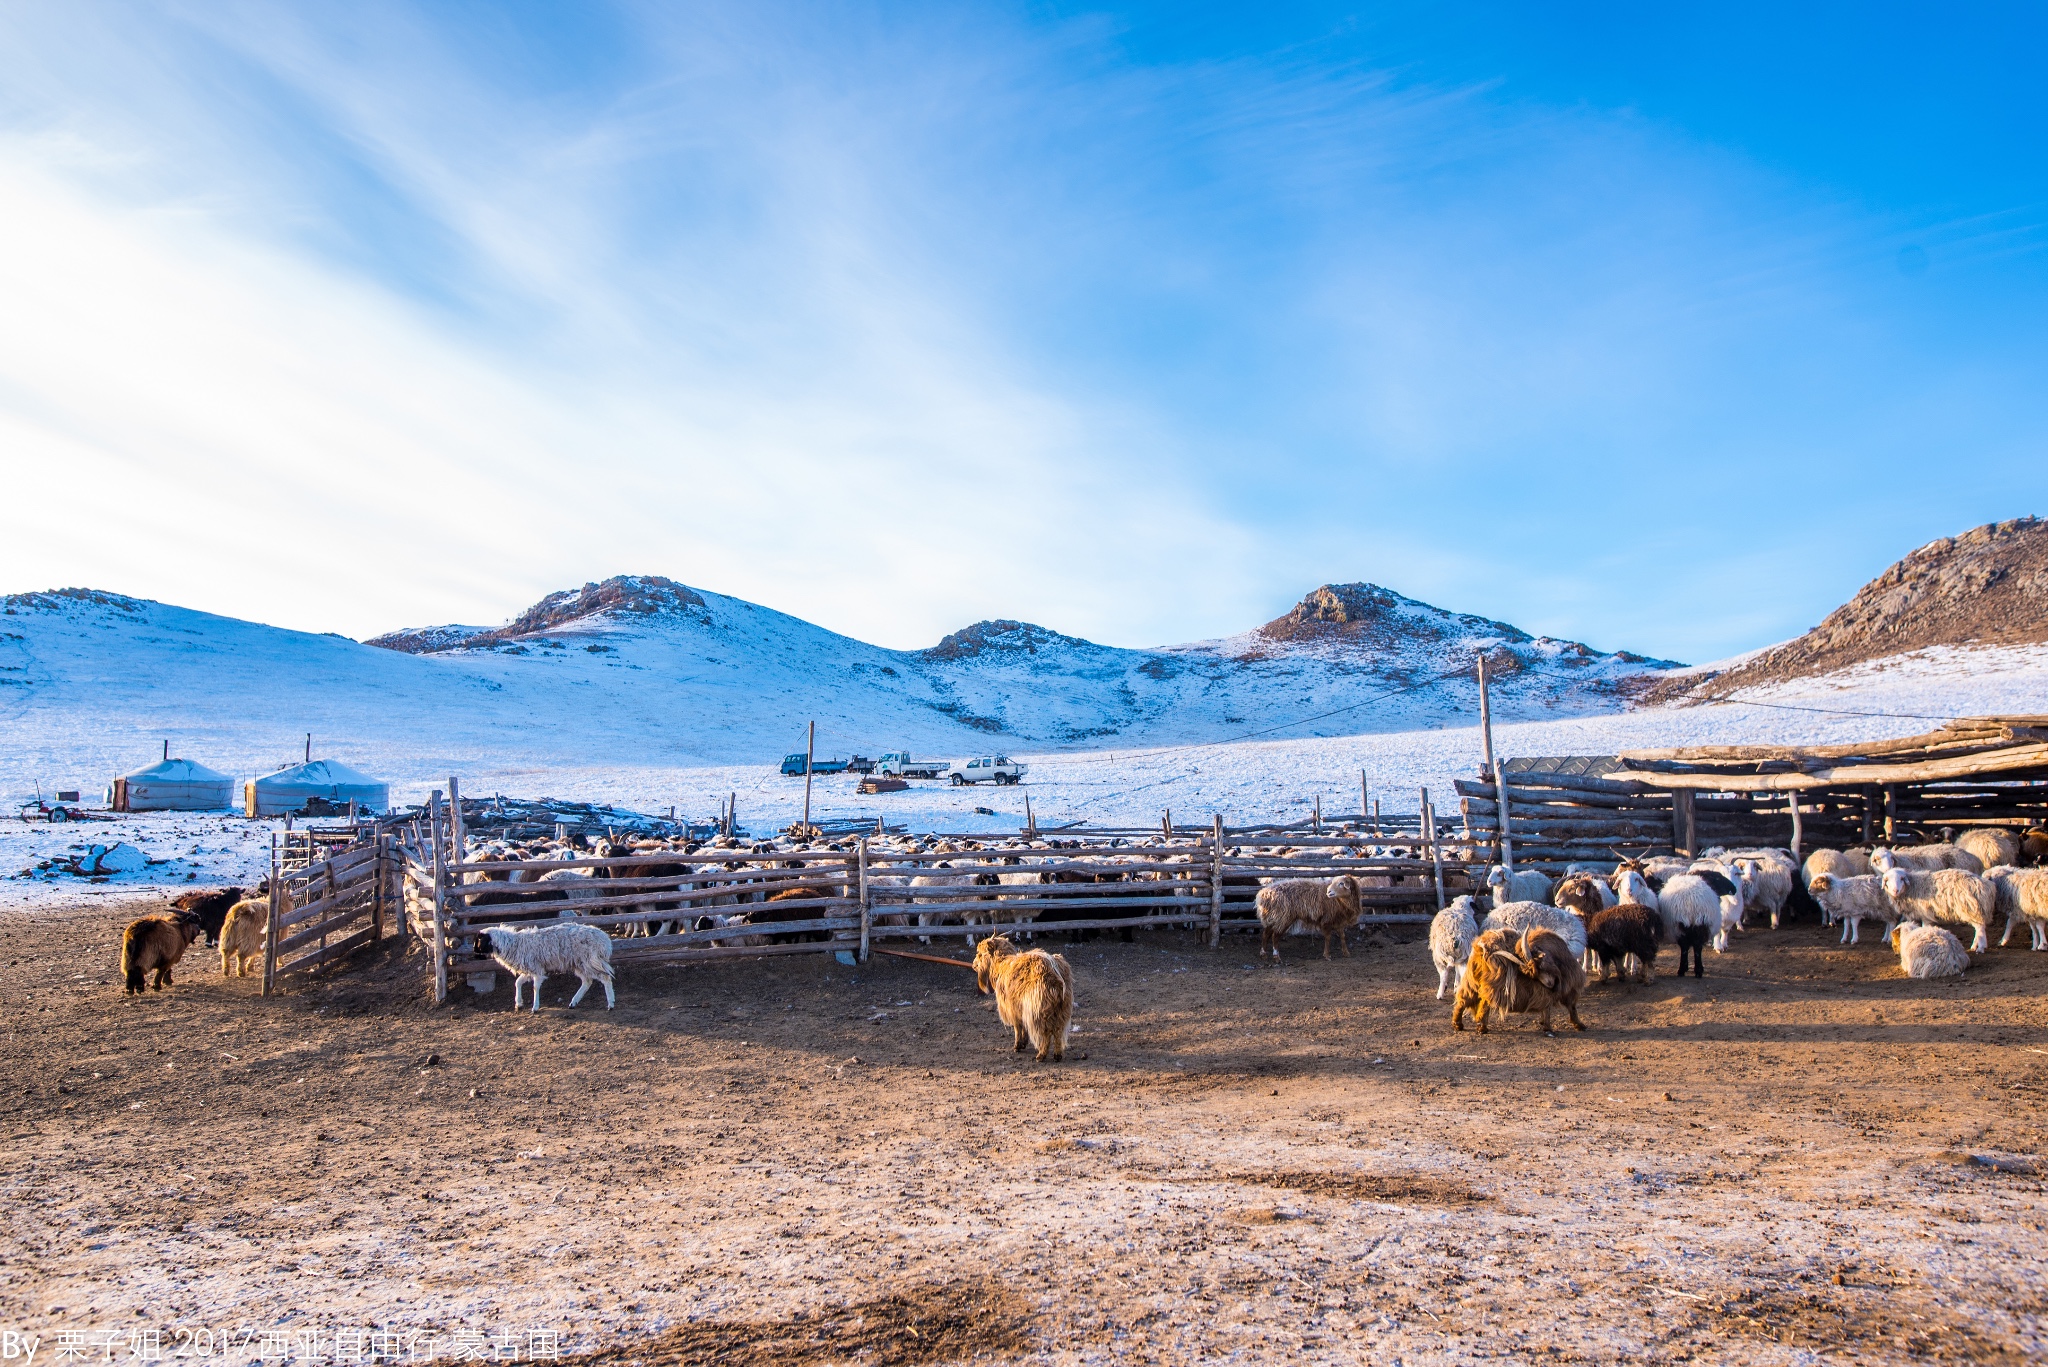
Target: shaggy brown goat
x=1537, y=973
x=1330, y=907
x=151, y=945
x=1034, y=994
x=247, y=926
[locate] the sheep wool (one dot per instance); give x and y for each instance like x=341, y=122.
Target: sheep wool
x=1949, y=897
x=1450, y=942
x=529, y=955
x=1929, y=952
x=1852, y=900
x=1523, y=916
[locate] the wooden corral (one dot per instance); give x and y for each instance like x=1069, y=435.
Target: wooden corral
x=1202, y=879
x=337, y=905
x=1978, y=771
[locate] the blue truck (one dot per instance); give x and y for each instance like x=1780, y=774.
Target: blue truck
x=793, y=765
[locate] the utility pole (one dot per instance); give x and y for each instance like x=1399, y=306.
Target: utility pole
x=810, y=753
x=1485, y=714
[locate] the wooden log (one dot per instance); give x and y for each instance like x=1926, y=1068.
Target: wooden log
x=270, y=928
x=440, y=899
x=1216, y=877
x=867, y=906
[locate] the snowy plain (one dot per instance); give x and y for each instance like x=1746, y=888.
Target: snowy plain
x=654, y=717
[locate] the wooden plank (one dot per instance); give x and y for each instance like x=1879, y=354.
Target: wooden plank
x=327, y=927
x=2010, y=760
x=338, y=949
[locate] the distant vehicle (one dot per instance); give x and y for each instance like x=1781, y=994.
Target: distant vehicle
x=793, y=765
x=860, y=764
x=899, y=764
x=63, y=809
x=997, y=769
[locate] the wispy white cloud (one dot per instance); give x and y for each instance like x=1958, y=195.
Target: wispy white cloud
x=896, y=323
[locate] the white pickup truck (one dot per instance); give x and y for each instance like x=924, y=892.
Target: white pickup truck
x=899, y=764
x=986, y=769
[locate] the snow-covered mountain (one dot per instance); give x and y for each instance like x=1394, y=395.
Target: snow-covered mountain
x=642, y=672
x=1376, y=655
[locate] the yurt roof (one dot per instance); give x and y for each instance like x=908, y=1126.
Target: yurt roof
x=321, y=773
x=176, y=771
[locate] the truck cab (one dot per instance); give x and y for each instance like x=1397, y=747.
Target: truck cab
x=899, y=764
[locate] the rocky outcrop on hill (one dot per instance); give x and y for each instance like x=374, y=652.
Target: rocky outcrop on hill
x=632, y=595
x=999, y=637
x=1988, y=586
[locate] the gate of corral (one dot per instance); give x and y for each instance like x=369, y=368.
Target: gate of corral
x=322, y=911
x=669, y=906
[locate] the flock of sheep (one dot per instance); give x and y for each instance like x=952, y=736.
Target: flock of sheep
x=1527, y=945
x=1535, y=944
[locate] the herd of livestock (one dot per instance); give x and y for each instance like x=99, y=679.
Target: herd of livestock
x=1533, y=947
x=1527, y=944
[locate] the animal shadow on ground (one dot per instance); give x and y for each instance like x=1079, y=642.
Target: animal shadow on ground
x=935, y=1322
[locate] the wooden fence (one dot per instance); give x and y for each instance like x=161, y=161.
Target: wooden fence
x=854, y=898
x=337, y=905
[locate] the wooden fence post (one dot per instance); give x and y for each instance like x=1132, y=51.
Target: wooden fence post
x=456, y=831
x=1317, y=818
x=1507, y=844
x=271, y=930
x=1793, y=797
x=1216, y=886
x=1436, y=851
x=867, y=910
x=440, y=895
x=378, y=875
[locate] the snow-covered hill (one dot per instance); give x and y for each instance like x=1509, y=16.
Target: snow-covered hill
x=687, y=701
x=641, y=672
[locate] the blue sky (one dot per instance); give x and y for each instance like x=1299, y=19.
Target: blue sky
x=1660, y=330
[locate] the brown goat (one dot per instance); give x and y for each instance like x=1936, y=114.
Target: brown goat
x=1537, y=973
x=246, y=928
x=151, y=945
x=1034, y=994
x=1329, y=907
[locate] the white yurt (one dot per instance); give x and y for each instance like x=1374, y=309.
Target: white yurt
x=288, y=790
x=173, y=785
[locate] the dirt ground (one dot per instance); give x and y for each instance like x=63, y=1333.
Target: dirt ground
x=1802, y=1157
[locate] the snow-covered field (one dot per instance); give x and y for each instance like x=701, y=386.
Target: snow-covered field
x=1244, y=781
x=682, y=713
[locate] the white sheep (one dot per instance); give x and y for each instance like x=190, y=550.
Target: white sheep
x=1521, y=916
x=1949, y=897
x=1527, y=885
x=2022, y=900
x=530, y=954
x=1630, y=886
x=1929, y=951
x=1853, y=899
x=1771, y=874
x=1450, y=941
x=1992, y=846
x=1835, y=864
x=1925, y=859
x=1691, y=908
x=1732, y=883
